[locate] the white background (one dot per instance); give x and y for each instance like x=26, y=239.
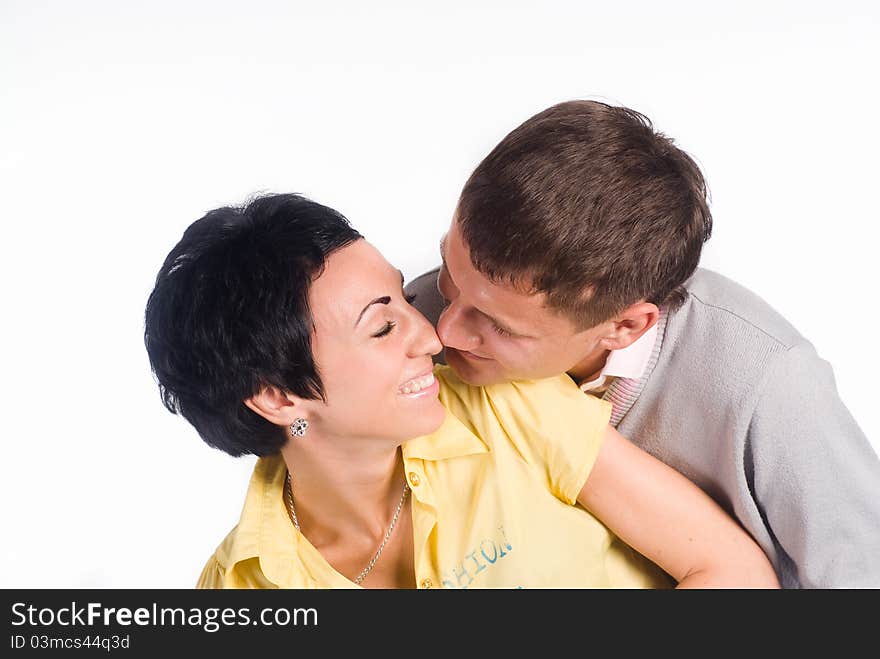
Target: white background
x=123, y=122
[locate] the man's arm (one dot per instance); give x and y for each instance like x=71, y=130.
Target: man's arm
x=667, y=518
x=565, y=436
x=814, y=475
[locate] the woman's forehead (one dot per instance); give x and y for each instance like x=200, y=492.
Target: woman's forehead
x=353, y=277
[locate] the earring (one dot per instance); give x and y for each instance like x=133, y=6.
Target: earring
x=298, y=428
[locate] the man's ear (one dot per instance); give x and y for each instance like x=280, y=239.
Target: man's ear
x=630, y=324
x=276, y=406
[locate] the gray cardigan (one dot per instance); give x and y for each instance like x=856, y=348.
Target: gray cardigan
x=739, y=402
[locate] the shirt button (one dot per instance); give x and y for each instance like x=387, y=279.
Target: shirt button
x=427, y=583
x=414, y=479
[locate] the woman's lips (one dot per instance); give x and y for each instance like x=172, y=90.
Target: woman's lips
x=418, y=384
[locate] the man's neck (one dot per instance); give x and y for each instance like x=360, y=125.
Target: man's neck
x=590, y=367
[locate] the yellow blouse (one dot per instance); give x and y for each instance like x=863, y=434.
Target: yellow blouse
x=494, y=494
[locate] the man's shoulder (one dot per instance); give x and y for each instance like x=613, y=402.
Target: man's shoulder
x=729, y=339
x=721, y=307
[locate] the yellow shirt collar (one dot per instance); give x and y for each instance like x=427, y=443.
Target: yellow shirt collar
x=451, y=440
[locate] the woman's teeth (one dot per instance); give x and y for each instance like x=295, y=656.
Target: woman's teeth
x=417, y=384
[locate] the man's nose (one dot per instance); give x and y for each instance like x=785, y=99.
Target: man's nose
x=454, y=330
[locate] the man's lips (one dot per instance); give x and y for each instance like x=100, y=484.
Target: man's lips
x=469, y=355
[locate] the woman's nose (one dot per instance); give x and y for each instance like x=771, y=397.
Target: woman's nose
x=426, y=341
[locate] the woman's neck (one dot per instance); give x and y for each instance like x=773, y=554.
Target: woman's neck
x=343, y=490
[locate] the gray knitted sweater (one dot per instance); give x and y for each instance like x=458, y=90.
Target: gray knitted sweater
x=739, y=402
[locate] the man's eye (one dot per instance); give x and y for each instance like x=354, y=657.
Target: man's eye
x=500, y=331
x=386, y=330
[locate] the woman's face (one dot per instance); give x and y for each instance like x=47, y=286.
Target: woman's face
x=373, y=351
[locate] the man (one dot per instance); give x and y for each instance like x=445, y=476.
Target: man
x=574, y=248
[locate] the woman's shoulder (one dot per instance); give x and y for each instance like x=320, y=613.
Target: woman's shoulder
x=217, y=574
x=236, y=558
x=549, y=424
x=541, y=396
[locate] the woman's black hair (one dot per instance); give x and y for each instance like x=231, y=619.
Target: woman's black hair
x=229, y=315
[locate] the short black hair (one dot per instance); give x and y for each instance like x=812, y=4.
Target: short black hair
x=229, y=315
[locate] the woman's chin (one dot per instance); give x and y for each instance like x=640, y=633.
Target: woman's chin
x=427, y=418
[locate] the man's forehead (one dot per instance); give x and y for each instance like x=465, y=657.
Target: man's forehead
x=512, y=307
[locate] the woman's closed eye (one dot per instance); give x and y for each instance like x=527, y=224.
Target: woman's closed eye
x=386, y=329
x=389, y=325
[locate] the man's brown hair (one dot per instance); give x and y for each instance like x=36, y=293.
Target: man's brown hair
x=587, y=203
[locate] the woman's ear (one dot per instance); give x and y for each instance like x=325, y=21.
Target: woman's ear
x=276, y=406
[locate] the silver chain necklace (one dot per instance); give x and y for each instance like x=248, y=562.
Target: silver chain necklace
x=288, y=493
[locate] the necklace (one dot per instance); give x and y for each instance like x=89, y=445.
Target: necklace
x=288, y=493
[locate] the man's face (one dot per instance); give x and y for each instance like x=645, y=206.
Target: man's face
x=495, y=333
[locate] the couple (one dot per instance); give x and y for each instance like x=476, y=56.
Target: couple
x=277, y=331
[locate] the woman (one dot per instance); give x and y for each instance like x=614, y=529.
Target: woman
x=276, y=330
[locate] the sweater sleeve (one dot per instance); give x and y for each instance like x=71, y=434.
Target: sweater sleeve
x=814, y=475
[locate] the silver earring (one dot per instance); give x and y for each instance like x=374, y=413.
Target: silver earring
x=298, y=428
